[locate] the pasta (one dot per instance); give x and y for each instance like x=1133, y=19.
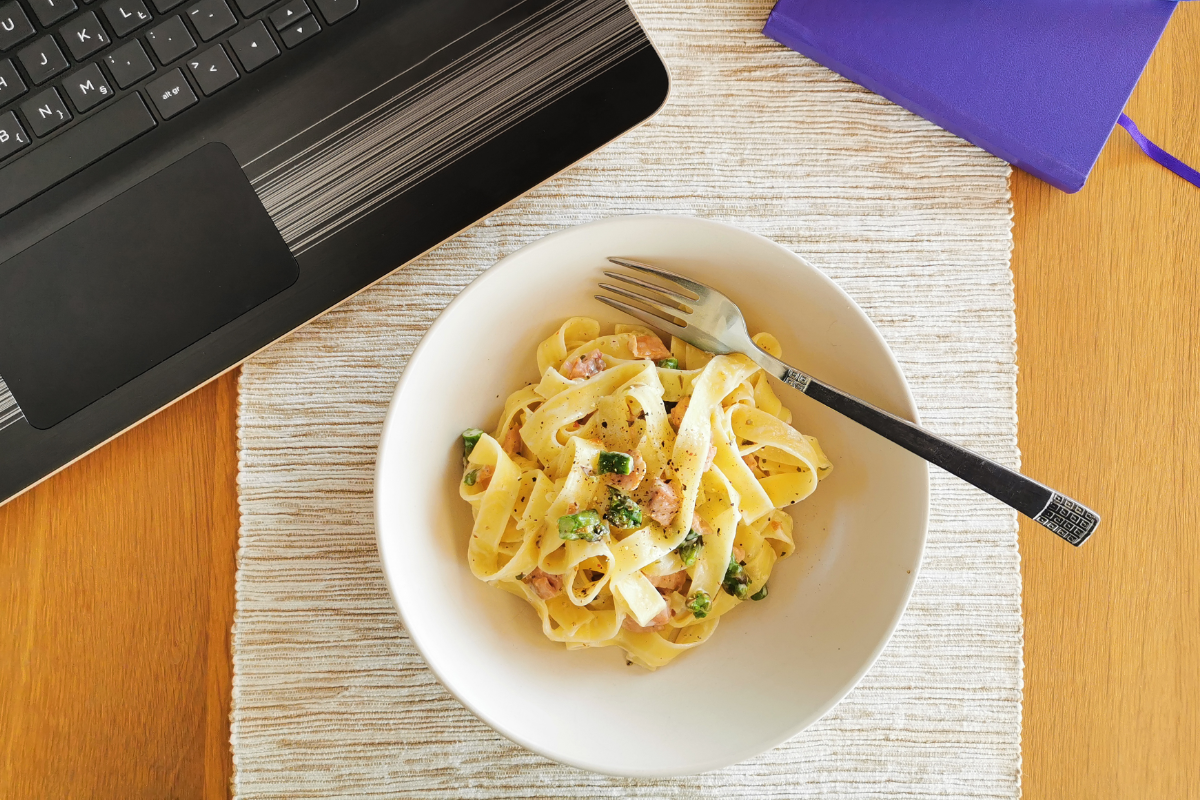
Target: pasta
x=634, y=495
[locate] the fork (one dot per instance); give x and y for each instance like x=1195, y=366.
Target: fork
x=712, y=322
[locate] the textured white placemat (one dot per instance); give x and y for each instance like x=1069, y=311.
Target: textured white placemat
x=330, y=698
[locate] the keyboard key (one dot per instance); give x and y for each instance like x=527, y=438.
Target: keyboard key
x=171, y=94
x=211, y=18
x=12, y=135
x=213, y=70
x=46, y=112
x=11, y=85
x=129, y=64
x=43, y=60
x=51, y=11
x=126, y=16
x=84, y=35
x=251, y=7
x=171, y=40
x=164, y=6
x=254, y=46
x=302, y=30
x=335, y=10
x=290, y=12
x=87, y=88
x=80, y=146
x=15, y=27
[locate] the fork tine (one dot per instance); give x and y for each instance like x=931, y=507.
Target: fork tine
x=669, y=311
x=645, y=316
x=676, y=296
x=698, y=289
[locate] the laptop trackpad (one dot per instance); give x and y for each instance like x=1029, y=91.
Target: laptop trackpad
x=135, y=281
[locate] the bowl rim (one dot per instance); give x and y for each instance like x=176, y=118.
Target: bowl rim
x=390, y=420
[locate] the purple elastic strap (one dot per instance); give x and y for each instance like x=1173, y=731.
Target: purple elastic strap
x=1158, y=154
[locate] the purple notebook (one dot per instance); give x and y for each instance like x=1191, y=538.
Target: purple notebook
x=1039, y=83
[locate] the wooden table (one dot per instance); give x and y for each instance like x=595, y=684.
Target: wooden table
x=117, y=590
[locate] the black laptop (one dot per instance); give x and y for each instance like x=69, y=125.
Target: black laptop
x=184, y=181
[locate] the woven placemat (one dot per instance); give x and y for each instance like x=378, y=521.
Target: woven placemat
x=331, y=699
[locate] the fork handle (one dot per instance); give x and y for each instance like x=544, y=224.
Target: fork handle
x=1071, y=520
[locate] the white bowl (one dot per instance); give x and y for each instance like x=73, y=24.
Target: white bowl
x=772, y=668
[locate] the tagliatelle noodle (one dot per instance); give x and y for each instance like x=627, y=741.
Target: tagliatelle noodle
x=724, y=474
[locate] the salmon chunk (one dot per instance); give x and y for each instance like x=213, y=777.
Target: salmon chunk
x=631, y=481
x=584, y=366
x=544, y=584
x=512, y=441
x=664, y=502
x=656, y=624
x=676, y=415
x=669, y=583
x=650, y=347
x=485, y=475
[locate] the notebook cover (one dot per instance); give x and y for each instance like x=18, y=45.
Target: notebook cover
x=1039, y=83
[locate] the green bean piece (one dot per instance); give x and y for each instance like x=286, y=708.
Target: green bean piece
x=615, y=463
x=669, y=363
x=623, y=510
x=586, y=526
x=737, y=582
x=689, y=548
x=699, y=605
x=470, y=439
x=470, y=478
x=760, y=594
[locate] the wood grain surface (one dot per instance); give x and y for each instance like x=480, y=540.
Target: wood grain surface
x=116, y=599
x=116, y=576
x=1108, y=327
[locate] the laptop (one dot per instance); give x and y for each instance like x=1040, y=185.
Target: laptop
x=183, y=182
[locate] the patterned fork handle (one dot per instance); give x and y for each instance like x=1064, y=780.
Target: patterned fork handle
x=1071, y=520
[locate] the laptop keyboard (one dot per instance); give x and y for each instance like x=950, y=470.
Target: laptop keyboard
x=81, y=78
